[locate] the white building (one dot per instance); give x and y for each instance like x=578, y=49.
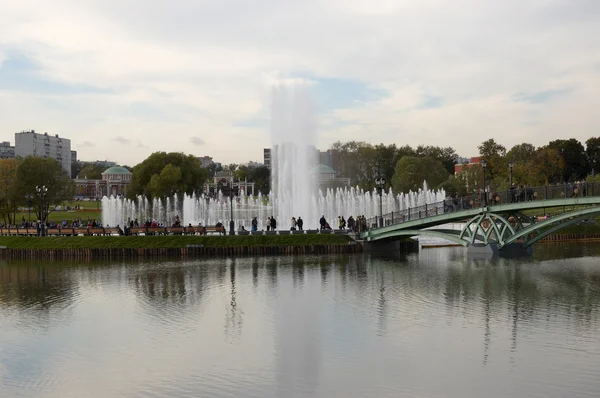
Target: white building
x=6, y=150
x=29, y=143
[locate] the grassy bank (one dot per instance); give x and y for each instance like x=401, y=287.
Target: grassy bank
x=139, y=242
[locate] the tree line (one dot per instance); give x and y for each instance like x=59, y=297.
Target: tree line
x=405, y=168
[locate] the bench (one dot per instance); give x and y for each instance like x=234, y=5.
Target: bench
x=212, y=230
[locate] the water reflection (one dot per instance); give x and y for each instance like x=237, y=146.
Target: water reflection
x=435, y=323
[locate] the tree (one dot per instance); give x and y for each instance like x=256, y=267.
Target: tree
x=9, y=190
x=386, y=157
x=574, y=156
x=521, y=153
x=592, y=151
x=497, y=168
x=547, y=167
x=188, y=179
x=91, y=171
x=454, y=186
x=167, y=183
x=351, y=161
x=35, y=171
x=447, y=155
x=261, y=177
x=412, y=171
x=75, y=168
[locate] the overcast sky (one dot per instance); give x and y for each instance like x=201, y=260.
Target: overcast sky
x=124, y=78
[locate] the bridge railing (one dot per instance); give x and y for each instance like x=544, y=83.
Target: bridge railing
x=515, y=195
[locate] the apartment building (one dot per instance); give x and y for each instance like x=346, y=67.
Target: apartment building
x=30, y=143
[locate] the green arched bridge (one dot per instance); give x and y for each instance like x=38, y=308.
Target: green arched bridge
x=500, y=218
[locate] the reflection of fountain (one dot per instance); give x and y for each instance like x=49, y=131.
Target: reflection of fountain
x=233, y=318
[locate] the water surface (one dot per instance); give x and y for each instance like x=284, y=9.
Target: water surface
x=433, y=324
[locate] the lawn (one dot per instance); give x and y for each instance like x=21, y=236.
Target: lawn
x=137, y=242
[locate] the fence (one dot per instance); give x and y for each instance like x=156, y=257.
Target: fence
x=515, y=195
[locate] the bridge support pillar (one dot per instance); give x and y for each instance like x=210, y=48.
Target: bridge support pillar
x=391, y=246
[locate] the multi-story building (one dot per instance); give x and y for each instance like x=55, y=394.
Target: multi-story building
x=29, y=143
x=466, y=163
x=267, y=157
x=73, y=156
x=206, y=161
x=6, y=150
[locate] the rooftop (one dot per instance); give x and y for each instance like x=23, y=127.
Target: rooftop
x=116, y=170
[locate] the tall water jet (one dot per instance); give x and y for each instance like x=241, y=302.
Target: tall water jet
x=293, y=154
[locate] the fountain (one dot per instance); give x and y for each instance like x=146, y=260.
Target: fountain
x=294, y=187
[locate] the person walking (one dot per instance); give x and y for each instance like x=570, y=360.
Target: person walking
x=300, y=223
x=322, y=222
x=268, y=224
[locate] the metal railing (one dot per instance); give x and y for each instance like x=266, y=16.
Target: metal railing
x=516, y=195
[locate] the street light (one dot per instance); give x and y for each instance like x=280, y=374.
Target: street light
x=483, y=166
x=380, y=184
x=231, y=223
x=510, y=167
x=42, y=191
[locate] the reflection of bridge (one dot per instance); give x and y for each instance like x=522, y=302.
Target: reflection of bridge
x=498, y=219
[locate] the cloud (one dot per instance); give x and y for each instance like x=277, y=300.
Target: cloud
x=87, y=144
x=123, y=140
x=410, y=72
x=197, y=141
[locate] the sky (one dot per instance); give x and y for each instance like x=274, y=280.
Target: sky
x=123, y=79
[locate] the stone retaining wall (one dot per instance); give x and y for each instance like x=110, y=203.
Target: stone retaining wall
x=38, y=254
x=571, y=237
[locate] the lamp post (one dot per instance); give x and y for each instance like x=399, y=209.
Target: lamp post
x=42, y=191
x=380, y=184
x=484, y=166
x=510, y=168
x=231, y=223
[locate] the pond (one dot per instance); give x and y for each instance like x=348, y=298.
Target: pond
x=434, y=324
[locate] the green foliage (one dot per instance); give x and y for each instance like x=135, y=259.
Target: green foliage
x=163, y=174
x=91, y=171
x=547, y=167
x=592, y=151
x=35, y=171
x=9, y=190
x=445, y=155
x=454, y=186
x=137, y=242
x=494, y=154
x=411, y=172
x=363, y=162
x=574, y=156
x=521, y=153
x=261, y=176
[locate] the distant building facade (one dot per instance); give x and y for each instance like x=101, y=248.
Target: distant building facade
x=267, y=157
x=114, y=182
x=30, y=143
x=7, y=151
x=224, y=181
x=466, y=163
x=206, y=161
x=327, y=177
